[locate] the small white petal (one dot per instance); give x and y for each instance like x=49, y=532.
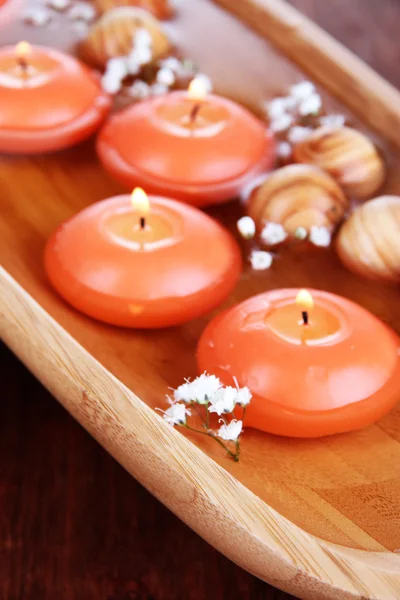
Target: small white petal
x=302, y=90
x=284, y=150
x=281, y=123
x=230, y=432
x=117, y=67
x=158, y=90
x=82, y=11
x=246, y=227
x=58, y=5
x=333, y=121
x=171, y=63
x=176, y=414
x=139, y=90
x=298, y=134
x=110, y=84
x=300, y=233
x=261, y=260
x=38, y=16
x=165, y=77
x=141, y=55
x=311, y=105
x=320, y=236
x=142, y=38
x=223, y=401
x=243, y=396
x=273, y=233
x=279, y=106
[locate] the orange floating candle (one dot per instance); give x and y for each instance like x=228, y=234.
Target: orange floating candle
x=197, y=148
x=316, y=364
x=150, y=263
x=48, y=100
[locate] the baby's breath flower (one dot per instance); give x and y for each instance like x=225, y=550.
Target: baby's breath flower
x=140, y=55
x=37, y=15
x=277, y=107
x=281, y=123
x=273, y=233
x=298, y=134
x=284, y=150
x=111, y=84
x=230, y=432
x=82, y=11
x=246, y=227
x=300, y=233
x=261, y=260
x=139, y=90
x=157, y=89
x=205, y=387
x=320, y=236
x=311, y=105
x=176, y=414
x=333, y=121
x=243, y=396
x=223, y=401
x=142, y=37
x=165, y=77
x=302, y=90
x=117, y=67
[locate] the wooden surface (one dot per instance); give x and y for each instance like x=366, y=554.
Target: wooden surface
x=345, y=489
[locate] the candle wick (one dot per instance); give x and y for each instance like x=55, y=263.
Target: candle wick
x=142, y=222
x=304, y=314
x=23, y=65
x=194, y=112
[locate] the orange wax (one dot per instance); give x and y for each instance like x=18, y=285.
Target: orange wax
x=48, y=100
x=338, y=373
x=136, y=268
x=199, y=151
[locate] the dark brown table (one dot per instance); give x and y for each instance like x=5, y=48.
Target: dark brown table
x=73, y=524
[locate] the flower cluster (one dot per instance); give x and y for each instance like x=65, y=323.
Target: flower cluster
x=295, y=116
x=207, y=393
x=79, y=13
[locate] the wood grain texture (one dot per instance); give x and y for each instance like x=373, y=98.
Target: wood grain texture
x=343, y=490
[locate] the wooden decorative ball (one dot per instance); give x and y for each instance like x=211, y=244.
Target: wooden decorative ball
x=369, y=242
x=346, y=154
x=297, y=196
x=112, y=35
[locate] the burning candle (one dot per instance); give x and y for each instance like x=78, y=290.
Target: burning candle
x=197, y=148
x=48, y=100
x=142, y=262
x=316, y=364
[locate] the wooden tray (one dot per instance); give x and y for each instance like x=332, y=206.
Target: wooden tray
x=317, y=518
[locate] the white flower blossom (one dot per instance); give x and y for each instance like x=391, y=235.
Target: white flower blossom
x=243, y=396
x=333, y=121
x=298, y=134
x=82, y=11
x=284, y=150
x=110, y=84
x=38, y=16
x=246, y=227
x=201, y=390
x=281, y=123
x=142, y=37
x=223, y=401
x=302, y=90
x=300, y=233
x=172, y=63
x=117, y=67
x=140, y=55
x=320, y=236
x=230, y=432
x=261, y=260
x=273, y=233
x=139, y=90
x=165, y=76
x=277, y=107
x=58, y=5
x=311, y=105
x=158, y=90
x=176, y=414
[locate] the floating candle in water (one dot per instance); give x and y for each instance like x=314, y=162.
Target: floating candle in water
x=195, y=147
x=316, y=364
x=48, y=100
x=139, y=262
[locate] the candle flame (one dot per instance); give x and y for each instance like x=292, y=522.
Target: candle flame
x=304, y=300
x=140, y=201
x=22, y=49
x=197, y=89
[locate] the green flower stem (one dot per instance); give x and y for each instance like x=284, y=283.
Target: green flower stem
x=234, y=455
